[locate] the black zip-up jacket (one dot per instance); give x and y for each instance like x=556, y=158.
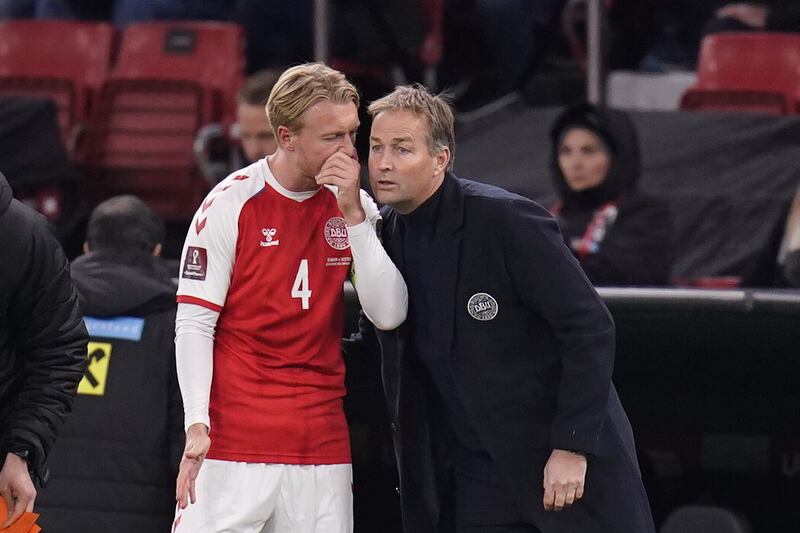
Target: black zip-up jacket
x=116, y=463
x=42, y=335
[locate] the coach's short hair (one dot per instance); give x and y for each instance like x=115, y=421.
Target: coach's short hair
x=124, y=222
x=301, y=87
x=435, y=109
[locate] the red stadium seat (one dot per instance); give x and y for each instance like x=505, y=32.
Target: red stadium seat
x=65, y=61
x=747, y=71
x=170, y=80
x=210, y=54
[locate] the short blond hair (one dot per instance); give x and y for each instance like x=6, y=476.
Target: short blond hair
x=302, y=86
x=435, y=109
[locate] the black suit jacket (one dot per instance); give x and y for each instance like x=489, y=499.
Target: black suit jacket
x=534, y=373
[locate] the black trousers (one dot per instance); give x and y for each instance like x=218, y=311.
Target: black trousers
x=483, y=506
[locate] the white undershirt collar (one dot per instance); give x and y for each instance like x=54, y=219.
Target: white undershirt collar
x=280, y=189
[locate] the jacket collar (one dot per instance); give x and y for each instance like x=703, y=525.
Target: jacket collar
x=450, y=217
x=451, y=205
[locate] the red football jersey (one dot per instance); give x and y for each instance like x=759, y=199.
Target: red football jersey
x=273, y=263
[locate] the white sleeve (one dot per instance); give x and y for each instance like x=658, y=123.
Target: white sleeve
x=380, y=286
x=194, y=354
x=209, y=251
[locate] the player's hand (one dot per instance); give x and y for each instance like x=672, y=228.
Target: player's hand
x=754, y=15
x=564, y=477
x=197, y=445
x=343, y=171
x=16, y=488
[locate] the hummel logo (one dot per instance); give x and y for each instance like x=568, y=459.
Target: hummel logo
x=268, y=234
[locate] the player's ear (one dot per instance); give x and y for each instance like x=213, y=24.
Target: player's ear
x=285, y=138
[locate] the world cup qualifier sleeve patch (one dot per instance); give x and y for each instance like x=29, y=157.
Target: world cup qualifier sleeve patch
x=195, y=265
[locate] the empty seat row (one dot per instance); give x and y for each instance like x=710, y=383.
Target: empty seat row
x=65, y=61
x=130, y=105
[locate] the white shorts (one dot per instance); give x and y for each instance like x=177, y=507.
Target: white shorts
x=235, y=497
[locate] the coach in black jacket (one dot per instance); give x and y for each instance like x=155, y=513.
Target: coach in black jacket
x=42, y=348
x=499, y=383
x=115, y=466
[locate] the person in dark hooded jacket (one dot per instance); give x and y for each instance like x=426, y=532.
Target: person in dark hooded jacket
x=42, y=349
x=117, y=466
x=620, y=235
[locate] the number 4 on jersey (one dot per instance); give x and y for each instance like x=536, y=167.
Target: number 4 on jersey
x=300, y=288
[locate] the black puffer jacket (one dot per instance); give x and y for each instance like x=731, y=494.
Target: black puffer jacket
x=42, y=335
x=116, y=463
x=637, y=247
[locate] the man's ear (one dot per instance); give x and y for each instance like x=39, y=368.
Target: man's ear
x=285, y=138
x=86, y=248
x=442, y=159
x=157, y=250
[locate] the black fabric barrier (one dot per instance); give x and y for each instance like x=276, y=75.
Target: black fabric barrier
x=710, y=380
x=728, y=177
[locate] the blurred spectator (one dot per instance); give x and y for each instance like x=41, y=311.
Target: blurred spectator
x=789, y=255
x=372, y=41
x=491, y=46
x=120, y=12
x=42, y=350
x=405, y=36
x=279, y=33
x=116, y=466
x=670, y=30
x=253, y=127
x=656, y=35
x=768, y=15
x=219, y=150
x=620, y=235
x=17, y=9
